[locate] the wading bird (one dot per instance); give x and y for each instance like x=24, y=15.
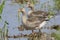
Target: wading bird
x=36, y=19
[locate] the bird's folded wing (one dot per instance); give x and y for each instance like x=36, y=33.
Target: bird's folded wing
x=39, y=13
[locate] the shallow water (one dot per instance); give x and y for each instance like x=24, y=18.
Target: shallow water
x=10, y=14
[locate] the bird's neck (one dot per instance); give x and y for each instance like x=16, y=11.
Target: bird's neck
x=24, y=18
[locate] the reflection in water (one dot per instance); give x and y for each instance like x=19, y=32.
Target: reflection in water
x=34, y=38
x=29, y=38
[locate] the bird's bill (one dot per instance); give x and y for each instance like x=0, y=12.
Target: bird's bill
x=21, y=10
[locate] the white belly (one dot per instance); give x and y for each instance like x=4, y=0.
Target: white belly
x=42, y=25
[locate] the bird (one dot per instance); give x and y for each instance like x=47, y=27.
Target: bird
x=37, y=13
x=36, y=19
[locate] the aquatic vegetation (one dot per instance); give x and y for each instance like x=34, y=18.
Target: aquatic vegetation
x=57, y=4
x=56, y=27
x=4, y=31
x=1, y=8
x=25, y=1
x=0, y=33
x=56, y=36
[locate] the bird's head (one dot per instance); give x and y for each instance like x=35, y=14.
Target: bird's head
x=29, y=5
x=22, y=10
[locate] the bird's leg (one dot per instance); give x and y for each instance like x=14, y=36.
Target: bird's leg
x=32, y=31
x=39, y=32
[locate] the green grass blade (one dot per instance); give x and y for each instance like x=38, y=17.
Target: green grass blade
x=1, y=7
